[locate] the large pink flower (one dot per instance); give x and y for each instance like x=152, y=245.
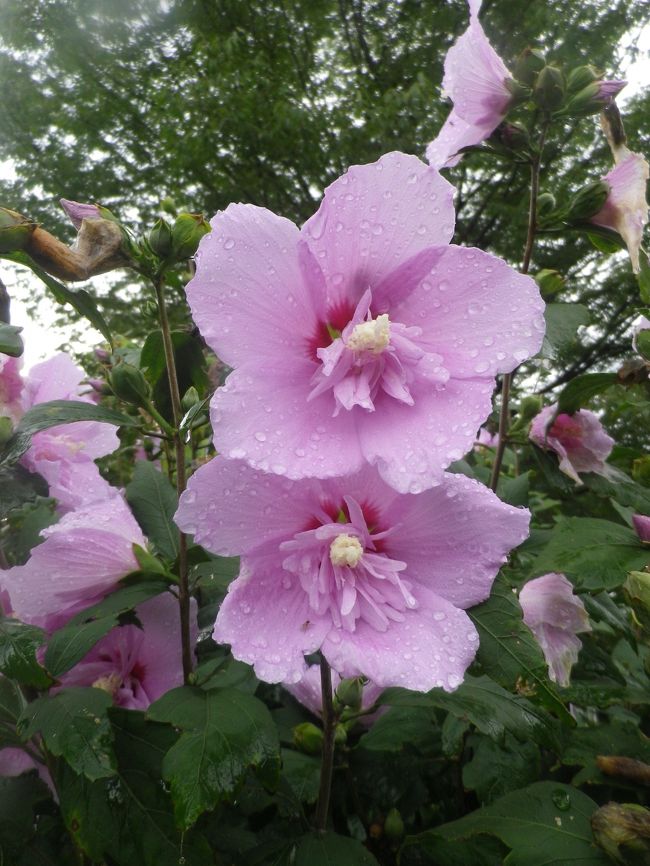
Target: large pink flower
x=377, y=580
x=579, y=440
x=137, y=665
x=626, y=209
x=81, y=558
x=555, y=615
x=475, y=80
x=362, y=338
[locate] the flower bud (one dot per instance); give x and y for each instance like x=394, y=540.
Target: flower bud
x=190, y=398
x=100, y=386
x=15, y=231
x=340, y=735
x=350, y=692
x=549, y=88
x=529, y=407
x=102, y=355
x=187, y=231
x=394, y=825
x=546, y=203
x=588, y=200
x=528, y=65
x=550, y=282
x=168, y=205
x=128, y=383
x=642, y=343
x=581, y=77
x=623, y=830
x=594, y=96
x=6, y=430
x=641, y=525
x=637, y=593
x=308, y=738
x=160, y=239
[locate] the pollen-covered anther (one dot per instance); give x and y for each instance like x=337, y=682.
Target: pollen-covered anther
x=372, y=336
x=109, y=683
x=345, y=550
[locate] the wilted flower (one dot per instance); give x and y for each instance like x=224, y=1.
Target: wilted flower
x=137, y=665
x=362, y=338
x=475, y=80
x=555, y=615
x=579, y=440
x=378, y=581
x=77, y=212
x=626, y=209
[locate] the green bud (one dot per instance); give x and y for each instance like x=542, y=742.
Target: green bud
x=129, y=384
x=190, y=398
x=308, y=738
x=528, y=65
x=340, y=735
x=394, y=825
x=529, y=407
x=350, y=692
x=581, y=77
x=147, y=561
x=637, y=592
x=623, y=831
x=6, y=429
x=15, y=230
x=168, y=205
x=520, y=92
x=160, y=239
x=643, y=343
x=550, y=282
x=546, y=204
x=585, y=101
x=641, y=470
x=588, y=200
x=549, y=89
x=187, y=231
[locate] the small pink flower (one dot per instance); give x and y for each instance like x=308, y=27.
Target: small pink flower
x=555, y=615
x=364, y=337
x=626, y=209
x=77, y=212
x=579, y=440
x=11, y=388
x=81, y=558
x=475, y=80
x=137, y=665
x=308, y=691
x=377, y=580
x=641, y=525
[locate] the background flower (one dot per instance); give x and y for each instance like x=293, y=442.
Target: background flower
x=579, y=440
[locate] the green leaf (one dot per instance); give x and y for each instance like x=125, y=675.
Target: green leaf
x=225, y=733
x=154, y=503
x=18, y=486
x=496, y=769
x=329, y=849
x=580, y=390
x=74, y=726
x=10, y=341
x=70, y=644
x=644, y=277
x=514, y=491
x=508, y=650
x=18, y=796
x=597, y=554
x=18, y=645
x=546, y=824
x=12, y=701
x=412, y=727
x=302, y=773
x=562, y=323
x=78, y=299
x=616, y=738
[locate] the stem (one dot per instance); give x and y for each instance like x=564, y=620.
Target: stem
x=327, y=765
x=504, y=419
x=179, y=449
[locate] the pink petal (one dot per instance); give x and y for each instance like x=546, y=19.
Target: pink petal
x=58, y=378
x=476, y=311
x=261, y=606
x=77, y=212
x=641, y=525
x=455, y=134
x=579, y=440
x=438, y=429
x=250, y=296
x=73, y=485
x=460, y=570
x=376, y=217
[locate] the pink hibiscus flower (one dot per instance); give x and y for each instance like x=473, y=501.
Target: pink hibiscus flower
x=364, y=337
x=137, y=665
x=377, y=580
x=555, y=615
x=579, y=440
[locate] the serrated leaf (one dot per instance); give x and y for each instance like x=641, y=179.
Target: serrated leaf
x=329, y=849
x=596, y=553
x=225, y=733
x=10, y=341
x=580, y=390
x=154, y=503
x=545, y=824
x=74, y=726
x=18, y=645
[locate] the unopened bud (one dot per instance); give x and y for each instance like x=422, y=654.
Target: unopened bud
x=529, y=407
x=190, y=398
x=637, y=593
x=594, y=96
x=99, y=386
x=168, y=205
x=581, y=77
x=528, y=65
x=340, y=735
x=308, y=738
x=549, y=88
x=550, y=282
x=642, y=343
x=128, y=383
x=187, y=232
x=77, y=211
x=623, y=831
x=588, y=200
x=546, y=203
x=394, y=825
x=350, y=692
x=15, y=230
x=6, y=430
x=102, y=355
x=160, y=238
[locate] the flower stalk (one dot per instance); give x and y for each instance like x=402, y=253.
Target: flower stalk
x=327, y=764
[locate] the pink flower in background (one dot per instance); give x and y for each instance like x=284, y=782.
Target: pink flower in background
x=555, y=615
x=364, y=337
x=626, y=209
x=641, y=525
x=81, y=559
x=579, y=440
x=11, y=388
x=486, y=439
x=77, y=212
x=378, y=581
x=308, y=691
x=137, y=665
x=475, y=80
x=15, y=762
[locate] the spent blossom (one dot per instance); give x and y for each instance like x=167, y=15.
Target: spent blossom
x=364, y=337
x=579, y=440
x=376, y=580
x=555, y=615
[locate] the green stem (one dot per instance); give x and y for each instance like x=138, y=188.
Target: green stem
x=327, y=764
x=181, y=480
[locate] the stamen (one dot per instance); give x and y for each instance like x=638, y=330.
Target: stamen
x=345, y=550
x=372, y=336
x=109, y=683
